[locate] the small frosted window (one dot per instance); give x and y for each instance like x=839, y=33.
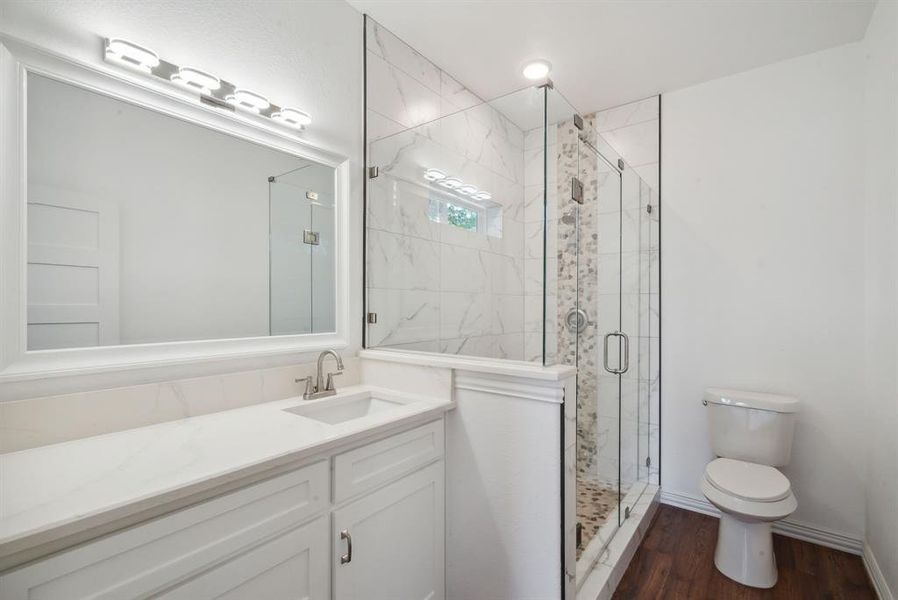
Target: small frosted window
x=462, y=217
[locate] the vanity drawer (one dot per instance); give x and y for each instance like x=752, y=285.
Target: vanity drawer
x=367, y=467
x=147, y=558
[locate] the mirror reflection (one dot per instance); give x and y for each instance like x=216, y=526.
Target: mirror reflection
x=143, y=228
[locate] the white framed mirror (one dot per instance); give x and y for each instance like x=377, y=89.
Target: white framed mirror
x=144, y=228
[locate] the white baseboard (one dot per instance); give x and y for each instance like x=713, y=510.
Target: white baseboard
x=801, y=531
x=876, y=576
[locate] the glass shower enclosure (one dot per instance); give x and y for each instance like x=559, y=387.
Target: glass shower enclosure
x=511, y=230
x=301, y=251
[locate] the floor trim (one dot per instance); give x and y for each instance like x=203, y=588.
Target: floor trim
x=876, y=577
x=801, y=531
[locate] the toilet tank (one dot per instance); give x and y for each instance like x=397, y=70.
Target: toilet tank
x=751, y=426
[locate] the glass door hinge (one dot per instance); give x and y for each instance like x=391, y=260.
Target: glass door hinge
x=373, y=172
x=576, y=190
x=372, y=318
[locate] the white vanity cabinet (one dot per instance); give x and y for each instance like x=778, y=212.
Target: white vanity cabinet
x=390, y=542
x=279, y=538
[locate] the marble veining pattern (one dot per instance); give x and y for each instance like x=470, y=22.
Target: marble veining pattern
x=435, y=286
x=36, y=422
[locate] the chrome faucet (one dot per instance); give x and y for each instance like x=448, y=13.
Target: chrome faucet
x=322, y=388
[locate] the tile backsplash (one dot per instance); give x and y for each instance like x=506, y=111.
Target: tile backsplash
x=52, y=419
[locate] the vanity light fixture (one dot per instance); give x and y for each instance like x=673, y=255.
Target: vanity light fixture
x=434, y=175
x=210, y=90
x=456, y=185
x=537, y=69
x=131, y=55
x=292, y=118
x=196, y=80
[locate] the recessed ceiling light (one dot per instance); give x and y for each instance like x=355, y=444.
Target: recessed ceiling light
x=537, y=69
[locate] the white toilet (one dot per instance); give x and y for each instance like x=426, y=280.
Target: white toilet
x=751, y=433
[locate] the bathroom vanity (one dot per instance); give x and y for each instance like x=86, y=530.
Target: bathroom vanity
x=153, y=442
x=341, y=497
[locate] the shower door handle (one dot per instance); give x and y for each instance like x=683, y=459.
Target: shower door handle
x=625, y=366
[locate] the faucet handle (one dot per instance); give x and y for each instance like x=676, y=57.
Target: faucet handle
x=330, y=380
x=309, y=385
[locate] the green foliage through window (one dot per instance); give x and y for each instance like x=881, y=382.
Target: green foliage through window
x=461, y=217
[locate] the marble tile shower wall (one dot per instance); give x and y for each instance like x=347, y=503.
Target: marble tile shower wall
x=435, y=286
x=539, y=176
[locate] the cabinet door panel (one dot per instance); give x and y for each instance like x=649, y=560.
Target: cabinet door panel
x=294, y=565
x=144, y=559
x=397, y=541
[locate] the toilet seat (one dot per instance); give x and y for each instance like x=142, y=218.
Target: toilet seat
x=730, y=486
x=747, y=481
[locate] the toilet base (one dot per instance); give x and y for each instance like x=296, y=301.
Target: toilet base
x=745, y=552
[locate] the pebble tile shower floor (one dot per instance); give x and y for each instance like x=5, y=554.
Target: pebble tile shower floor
x=595, y=501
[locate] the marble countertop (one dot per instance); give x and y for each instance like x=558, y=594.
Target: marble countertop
x=59, y=495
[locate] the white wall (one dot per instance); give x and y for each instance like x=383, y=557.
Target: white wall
x=305, y=54
x=763, y=269
x=881, y=356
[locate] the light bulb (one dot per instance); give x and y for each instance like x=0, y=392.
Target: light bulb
x=292, y=117
x=434, y=175
x=196, y=80
x=248, y=100
x=131, y=55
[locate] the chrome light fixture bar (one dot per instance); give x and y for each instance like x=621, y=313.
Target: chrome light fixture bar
x=209, y=88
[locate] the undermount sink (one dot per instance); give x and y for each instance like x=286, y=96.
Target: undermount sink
x=339, y=410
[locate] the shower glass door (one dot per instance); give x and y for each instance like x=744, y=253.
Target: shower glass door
x=590, y=330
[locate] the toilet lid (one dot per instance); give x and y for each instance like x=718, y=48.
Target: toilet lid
x=749, y=481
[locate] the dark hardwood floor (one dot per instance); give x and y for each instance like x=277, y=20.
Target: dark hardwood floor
x=676, y=560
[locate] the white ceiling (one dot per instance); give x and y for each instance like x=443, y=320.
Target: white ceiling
x=606, y=53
